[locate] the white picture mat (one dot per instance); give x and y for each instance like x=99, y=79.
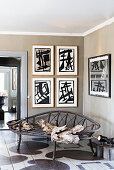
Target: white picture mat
x=105, y=94
x=99, y=58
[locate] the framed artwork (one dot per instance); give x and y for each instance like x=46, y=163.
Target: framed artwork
x=42, y=60
x=66, y=59
x=42, y=92
x=66, y=92
x=100, y=75
x=14, y=79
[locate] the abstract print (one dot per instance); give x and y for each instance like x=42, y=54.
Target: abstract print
x=99, y=85
x=99, y=66
x=42, y=92
x=66, y=92
x=99, y=69
x=42, y=59
x=99, y=75
x=66, y=60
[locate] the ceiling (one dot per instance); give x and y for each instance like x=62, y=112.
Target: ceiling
x=53, y=16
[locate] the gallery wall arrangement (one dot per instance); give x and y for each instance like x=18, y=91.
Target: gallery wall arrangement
x=99, y=75
x=54, y=81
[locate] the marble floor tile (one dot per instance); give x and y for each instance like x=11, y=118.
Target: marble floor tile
x=34, y=151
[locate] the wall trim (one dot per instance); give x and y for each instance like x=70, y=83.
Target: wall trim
x=40, y=33
x=108, y=22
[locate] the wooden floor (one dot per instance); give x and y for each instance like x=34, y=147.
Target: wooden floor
x=35, y=154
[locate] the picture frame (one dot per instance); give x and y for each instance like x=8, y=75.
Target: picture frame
x=42, y=92
x=99, y=75
x=14, y=79
x=42, y=60
x=66, y=59
x=66, y=92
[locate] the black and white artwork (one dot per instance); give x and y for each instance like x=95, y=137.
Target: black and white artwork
x=42, y=92
x=66, y=60
x=100, y=75
x=42, y=60
x=66, y=92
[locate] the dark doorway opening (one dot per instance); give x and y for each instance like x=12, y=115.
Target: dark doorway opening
x=10, y=89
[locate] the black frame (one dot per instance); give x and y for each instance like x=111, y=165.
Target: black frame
x=107, y=79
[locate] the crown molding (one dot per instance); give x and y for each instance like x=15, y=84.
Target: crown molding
x=108, y=22
x=40, y=33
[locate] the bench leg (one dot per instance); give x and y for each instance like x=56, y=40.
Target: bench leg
x=91, y=146
x=19, y=142
x=54, y=152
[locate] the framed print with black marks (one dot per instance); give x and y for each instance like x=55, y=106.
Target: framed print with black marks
x=66, y=92
x=42, y=92
x=42, y=60
x=99, y=75
x=66, y=59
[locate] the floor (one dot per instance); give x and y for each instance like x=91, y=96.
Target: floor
x=35, y=154
x=7, y=117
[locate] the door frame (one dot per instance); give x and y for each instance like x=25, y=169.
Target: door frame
x=24, y=76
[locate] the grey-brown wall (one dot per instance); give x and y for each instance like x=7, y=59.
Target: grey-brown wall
x=99, y=108
x=24, y=43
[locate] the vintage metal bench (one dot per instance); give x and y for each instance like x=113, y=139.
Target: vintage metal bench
x=59, y=118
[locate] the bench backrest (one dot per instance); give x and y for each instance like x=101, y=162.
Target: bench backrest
x=71, y=119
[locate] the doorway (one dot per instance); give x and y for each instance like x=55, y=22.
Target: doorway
x=9, y=90
x=13, y=88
